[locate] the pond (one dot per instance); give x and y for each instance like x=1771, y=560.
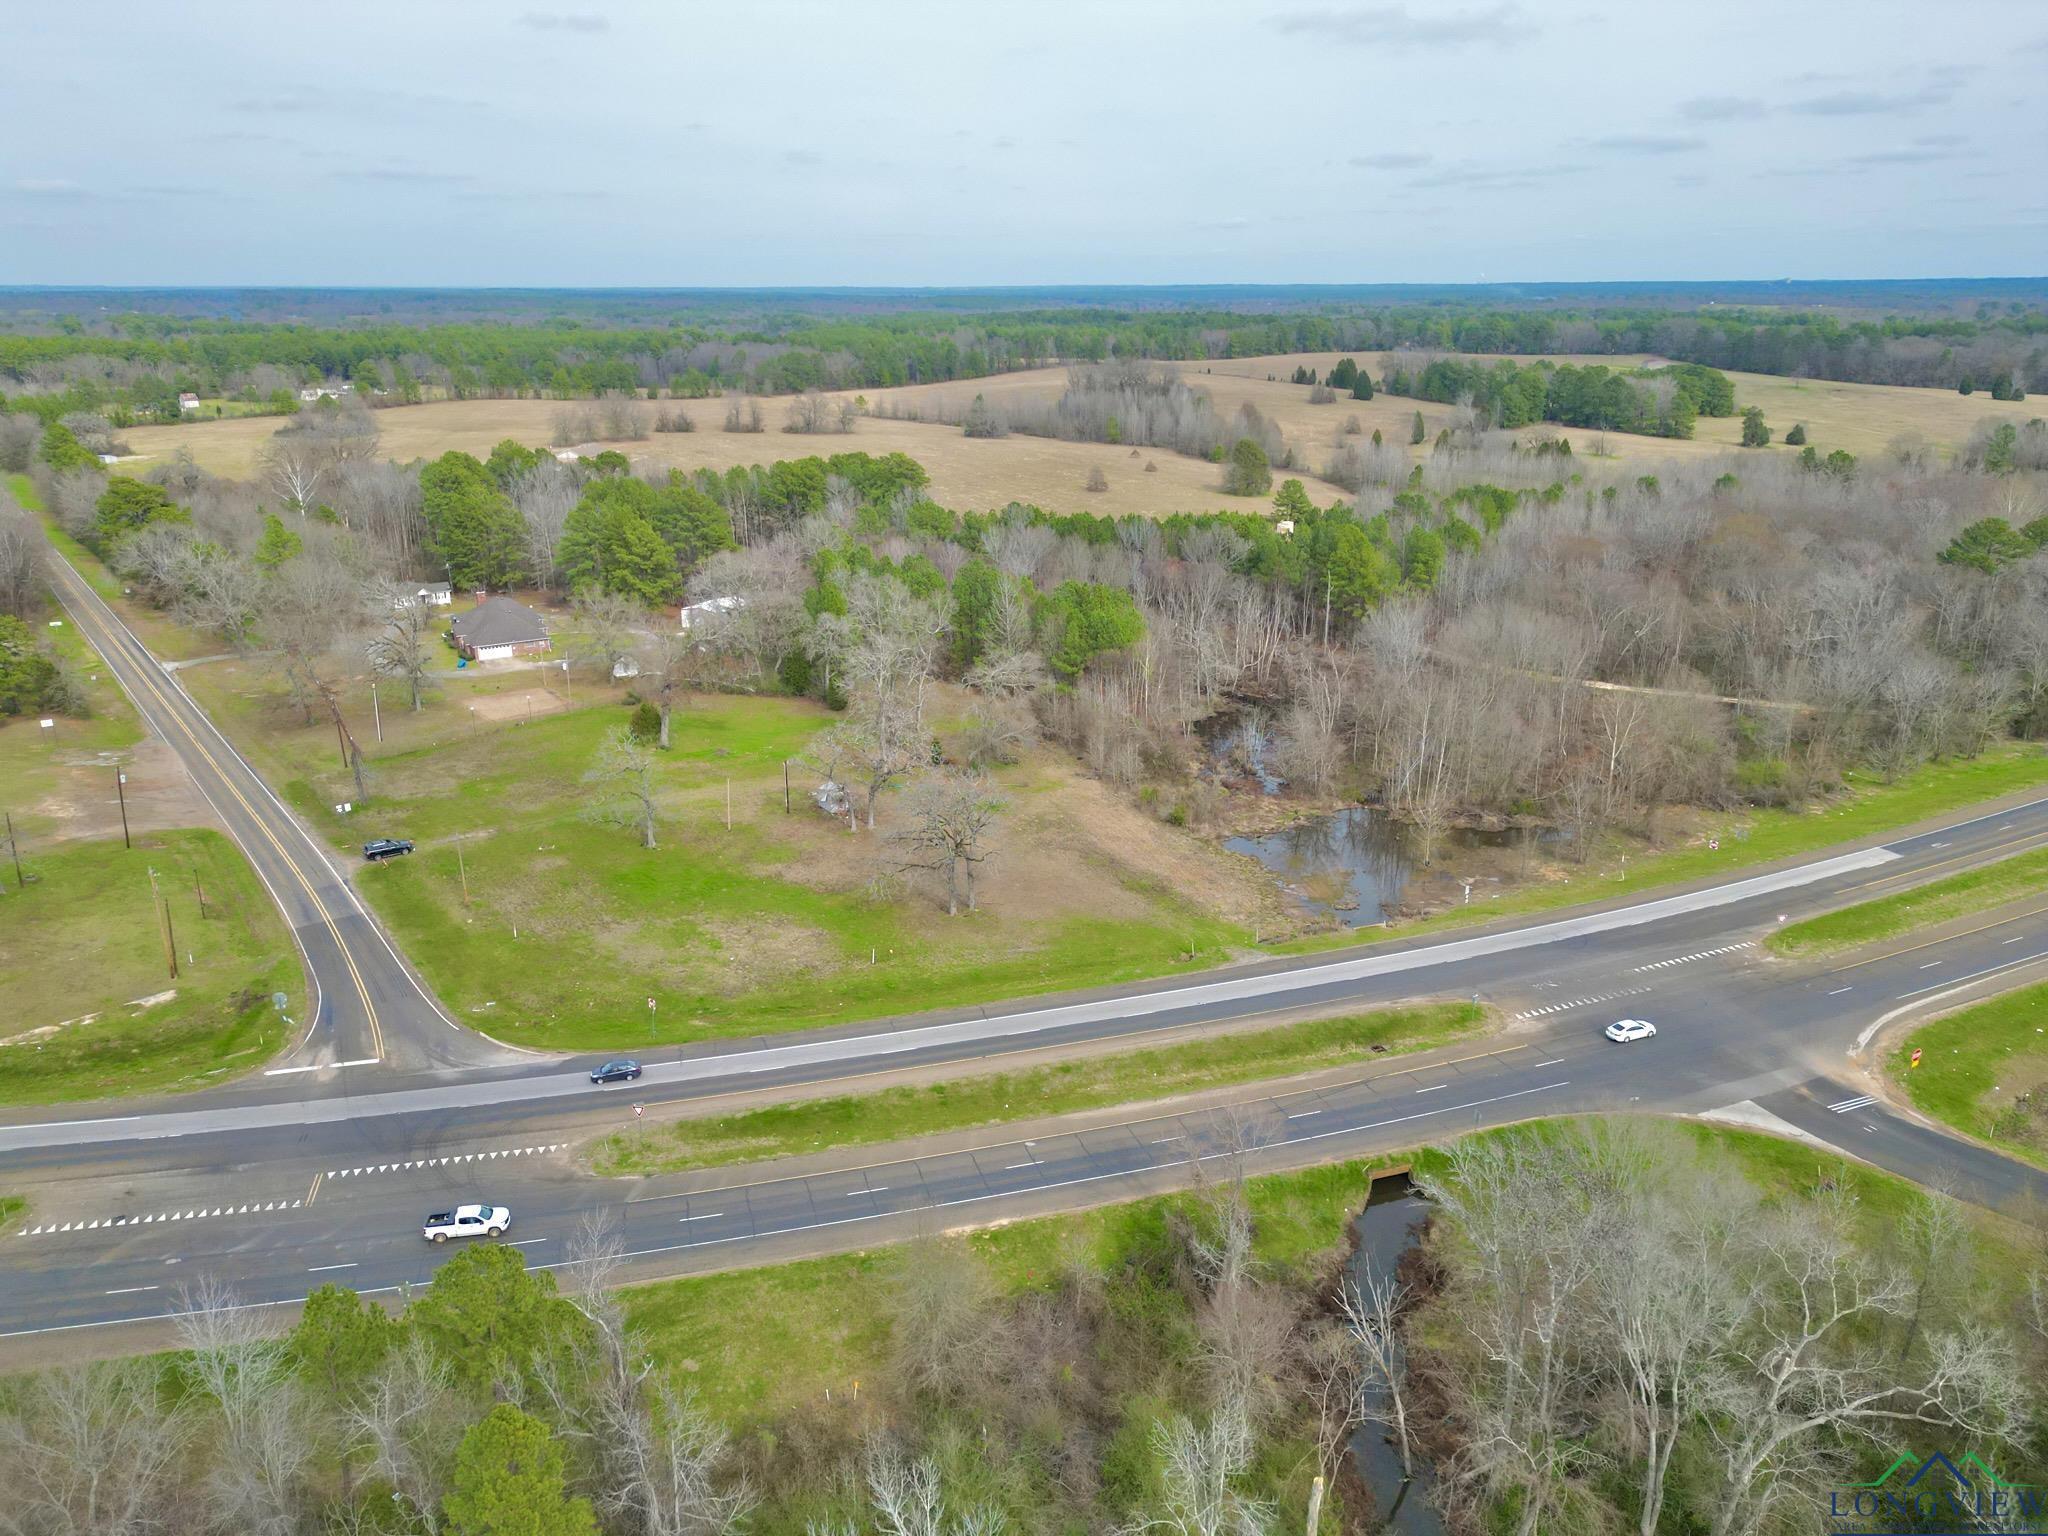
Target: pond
x=1353, y=865
x=1387, y=1228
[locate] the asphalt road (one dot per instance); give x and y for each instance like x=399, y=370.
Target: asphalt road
x=367, y=1009
x=323, y=1172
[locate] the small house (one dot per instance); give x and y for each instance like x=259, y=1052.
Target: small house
x=1284, y=527
x=188, y=401
x=711, y=608
x=498, y=629
x=433, y=594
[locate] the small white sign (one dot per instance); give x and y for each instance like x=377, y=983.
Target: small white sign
x=48, y=725
x=344, y=808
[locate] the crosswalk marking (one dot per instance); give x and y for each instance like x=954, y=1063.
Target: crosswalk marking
x=444, y=1162
x=1846, y=1105
x=1703, y=954
x=1583, y=1002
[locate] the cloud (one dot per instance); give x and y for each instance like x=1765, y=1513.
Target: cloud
x=1940, y=140
x=49, y=186
x=300, y=100
x=1939, y=84
x=566, y=21
x=1396, y=29
x=1389, y=162
x=1720, y=109
x=1925, y=155
x=1648, y=144
x=803, y=157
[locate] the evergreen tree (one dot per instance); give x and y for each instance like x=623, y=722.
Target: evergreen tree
x=1250, y=472
x=1418, y=433
x=128, y=506
x=1754, y=433
x=511, y=1479
x=1291, y=500
x=1361, y=387
x=1796, y=438
x=277, y=543
x=1344, y=374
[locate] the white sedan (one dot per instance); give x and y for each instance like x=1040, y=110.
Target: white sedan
x=467, y=1221
x=1621, y=1031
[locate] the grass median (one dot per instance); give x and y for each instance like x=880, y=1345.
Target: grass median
x=1984, y=1070
x=893, y=1114
x=1939, y=901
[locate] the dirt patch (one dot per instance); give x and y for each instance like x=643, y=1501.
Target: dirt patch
x=527, y=704
x=160, y=795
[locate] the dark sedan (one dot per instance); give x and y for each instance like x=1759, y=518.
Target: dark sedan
x=621, y=1071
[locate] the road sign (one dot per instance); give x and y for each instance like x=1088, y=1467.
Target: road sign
x=1916, y=1055
x=278, y=1001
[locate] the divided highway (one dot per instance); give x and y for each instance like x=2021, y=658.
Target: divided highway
x=323, y=1173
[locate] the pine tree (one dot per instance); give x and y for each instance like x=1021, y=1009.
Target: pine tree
x=1418, y=433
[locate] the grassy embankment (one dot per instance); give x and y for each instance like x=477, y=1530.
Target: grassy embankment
x=1924, y=906
x=71, y=758
x=1869, y=808
x=753, y=1343
x=83, y=938
x=1984, y=1070
x=1126, y=1077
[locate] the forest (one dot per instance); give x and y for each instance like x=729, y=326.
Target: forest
x=134, y=364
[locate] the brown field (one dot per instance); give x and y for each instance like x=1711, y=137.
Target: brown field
x=967, y=474
x=982, y=474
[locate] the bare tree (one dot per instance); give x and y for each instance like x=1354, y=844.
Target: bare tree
x=21, y=548
x=811, y=412
x=294, y=465
x=625, y=767
x=410, y=1423
x=665, y=657
x=403, y=647
x=949, y=820
x=946, y=1338
x=909, y=1498
x=256, y=1481
x=86, y=1450
x=1200, y=1466
x=545, y=494
x=1372, y=1319
x=608, y=627
x=743, y=414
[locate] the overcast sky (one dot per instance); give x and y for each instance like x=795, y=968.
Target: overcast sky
x=755, y=142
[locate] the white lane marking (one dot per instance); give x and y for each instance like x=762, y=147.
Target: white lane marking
x=2015, y=939
x=1991, y=970
x=1432, y=1088
x=1583, y=1002
x=108, y=1223
x=1015, y=1166
x=1848, y=1104
x=288, y=1071
x=1937, y=845
x=1930, y=965
x=1840, y=990
x=134, y=1290
x=1550, y=1063
x=1163, y=1140
x=321, y=1269
x=526, y=1242
x=1703, y=954
x=1303, y=1114
x=439, y=1162
x=707, y=1216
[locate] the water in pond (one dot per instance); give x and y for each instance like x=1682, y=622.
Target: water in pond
x=1388, y=1227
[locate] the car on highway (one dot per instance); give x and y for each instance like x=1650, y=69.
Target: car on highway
x=386, y=848
x=1621, y=1031
x=467, y=1221
x=620, y=1071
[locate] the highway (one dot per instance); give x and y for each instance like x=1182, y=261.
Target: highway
x=286, y=1181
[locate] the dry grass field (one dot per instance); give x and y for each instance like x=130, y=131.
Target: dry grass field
x=967, y=474
x=981, y=474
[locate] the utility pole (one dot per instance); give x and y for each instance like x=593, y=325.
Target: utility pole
x=728, y=805
x=340, y=734
x=121, y=793
x=15, y=848
x=163, y=926
x=462, y=870
x=376, y=714
x=1315, y=1503
x=199, y=890
x=785, y=786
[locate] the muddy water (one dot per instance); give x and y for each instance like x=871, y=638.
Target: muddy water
x=1388, y=1227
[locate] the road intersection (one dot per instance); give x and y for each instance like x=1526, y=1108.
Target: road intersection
x=284, y=1182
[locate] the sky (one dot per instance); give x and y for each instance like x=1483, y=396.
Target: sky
x=897, y=142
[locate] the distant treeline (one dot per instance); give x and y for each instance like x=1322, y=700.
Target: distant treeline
x=135, y=365
x=1661, y=402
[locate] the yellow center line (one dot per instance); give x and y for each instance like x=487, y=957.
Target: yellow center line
x=313, y=1193
x=170, y=710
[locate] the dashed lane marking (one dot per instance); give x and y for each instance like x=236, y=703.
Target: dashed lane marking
x=443, y=1162
x=1583, y=1002
x=1704, y=954
x=201, y=1213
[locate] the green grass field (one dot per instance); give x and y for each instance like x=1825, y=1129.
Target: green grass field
x=1869, y=807
x=83, y=939
x=1939, y=901
x=1127, y=1077
x=1984, y=1070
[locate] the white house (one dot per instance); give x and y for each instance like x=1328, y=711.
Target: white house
x=696, y=613
x=1284, y=527
x=188, y=401
x=313, y=392
x=566, y=455
x=435, y=594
